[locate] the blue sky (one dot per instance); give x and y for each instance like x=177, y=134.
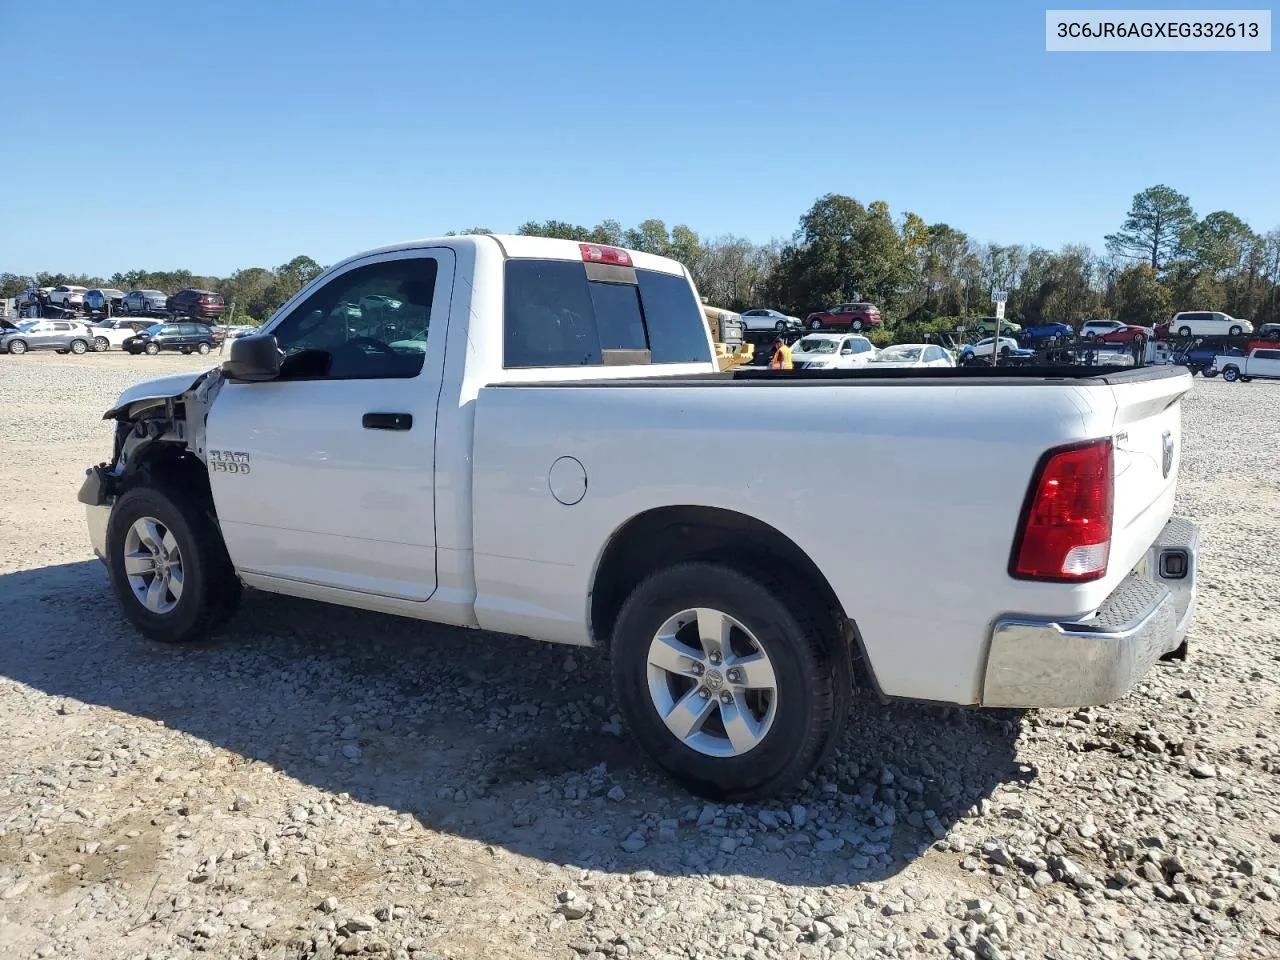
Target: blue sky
x=149, y=133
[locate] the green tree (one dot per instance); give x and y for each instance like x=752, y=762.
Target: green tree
x=1156, y=229
x=1140, y=298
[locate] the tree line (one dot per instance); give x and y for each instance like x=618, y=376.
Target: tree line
x=923, y=276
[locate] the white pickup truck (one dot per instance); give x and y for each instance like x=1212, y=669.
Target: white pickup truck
x=1262, y=362
x=530, y=436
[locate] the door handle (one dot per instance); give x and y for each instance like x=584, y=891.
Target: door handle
x=387, y=421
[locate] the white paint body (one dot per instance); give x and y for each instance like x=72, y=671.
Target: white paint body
x=463, y=519
x=1262, y=363
x=848, y=351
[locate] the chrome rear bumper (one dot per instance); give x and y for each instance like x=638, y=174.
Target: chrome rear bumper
x=1079, y=663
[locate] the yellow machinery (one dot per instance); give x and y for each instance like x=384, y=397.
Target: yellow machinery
x=732, y=350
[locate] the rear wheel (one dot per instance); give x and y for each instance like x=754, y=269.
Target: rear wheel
x=815, y=324
x=79, y=347
x=168, y=565
x=1246, y=379
x=729, y=688
x=151, y=349
x=856, y=326
x=1235, y=331
x=202, y=349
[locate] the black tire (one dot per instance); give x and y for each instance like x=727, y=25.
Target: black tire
x=1246, y=379
x=1231, y=373
x=211, y=590
x=101, y=344
x=1208, y=374
x=17, y=347
x=79, y=347
x=62, y=353
x=780, y=326
x=811, y=666
x=1235, y=331
x=151, y=349
x=1005, y=353
x=1184, y=331
x=185, y=350
x=856, y=326
x=815, y=324
x=202, y=349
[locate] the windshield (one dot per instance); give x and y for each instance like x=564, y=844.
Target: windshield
x=154, y=329
x=28, y=326
x=815, y=345
x=898, y=353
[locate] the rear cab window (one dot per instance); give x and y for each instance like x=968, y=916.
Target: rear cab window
x=564, y=313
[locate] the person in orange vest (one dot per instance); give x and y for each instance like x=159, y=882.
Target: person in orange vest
x=781, y=355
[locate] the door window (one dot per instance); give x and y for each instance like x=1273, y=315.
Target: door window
x=368, y=323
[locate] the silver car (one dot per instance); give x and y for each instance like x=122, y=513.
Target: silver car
x=761, y=319
x=145, y=301
x=65, y=336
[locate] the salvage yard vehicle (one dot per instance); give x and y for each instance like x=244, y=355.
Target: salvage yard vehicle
x=908, y=355
x=1205, y=323
x=1263, y=364
x=831, y=351
x=845, y=316
x=182, y=337
x=145, y=302
x=64, y=336
x=554, y=455
x=104, y=299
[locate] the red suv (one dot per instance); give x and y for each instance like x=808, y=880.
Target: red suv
x=196, y=304
x=845, y=316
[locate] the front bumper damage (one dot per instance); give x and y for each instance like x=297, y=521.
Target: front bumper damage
x=1080, y=663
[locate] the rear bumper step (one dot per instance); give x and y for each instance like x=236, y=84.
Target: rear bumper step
x=1080, y=663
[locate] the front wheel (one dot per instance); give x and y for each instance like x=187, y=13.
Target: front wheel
x=856, y=326
x=1184, y=331
x=1231, y=374
x=151, y=349
x=734, y=691
x=101, y=344
x=168, y=566
x=1236, y=331
x=815, y=324
x=17, y=347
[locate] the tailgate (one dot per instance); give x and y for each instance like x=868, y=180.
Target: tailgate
x=1147, y=435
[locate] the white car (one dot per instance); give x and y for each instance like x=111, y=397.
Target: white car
x=913, y=355
x=68, y=295
x=1205, y=323
x=112, y=334
x=1094, y=328
x=831, y=351
x=528, y=471
x=761, y=319
x=983, y=348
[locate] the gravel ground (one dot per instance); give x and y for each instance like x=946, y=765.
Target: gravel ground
x=320, y=782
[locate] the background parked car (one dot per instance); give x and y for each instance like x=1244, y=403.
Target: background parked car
x=65, y=336
x=988, y=325
x=912, y=355
x=197, y=304
x=1092, y=328
x=1206, y=323
x=1199, y=359
x=845, y=316
x=831, y=351
x=99, y=299
x=111, y=334
x=762, y=319
x=1048, y=331
x=145, y=301
x=1008, y=347
x=182, y=337
x=1269, y=331
x=1124, y=333
x=67, y=295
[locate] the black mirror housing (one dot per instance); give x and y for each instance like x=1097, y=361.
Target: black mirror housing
x=254, y=358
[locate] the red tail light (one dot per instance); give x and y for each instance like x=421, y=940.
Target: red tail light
x=1066, y=522
x=597, y=253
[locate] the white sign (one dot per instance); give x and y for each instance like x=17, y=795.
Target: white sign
x=999, y=309
x=999, y=296
x=959, y=328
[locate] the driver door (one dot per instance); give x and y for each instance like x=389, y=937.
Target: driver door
x=326, y=475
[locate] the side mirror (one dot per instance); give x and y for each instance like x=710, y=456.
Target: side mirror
x=253, y=359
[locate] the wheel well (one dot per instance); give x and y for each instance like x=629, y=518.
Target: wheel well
x=665, y=536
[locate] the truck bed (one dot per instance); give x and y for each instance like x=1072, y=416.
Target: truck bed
x=953, y=376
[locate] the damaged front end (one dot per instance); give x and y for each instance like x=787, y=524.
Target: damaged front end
x=159, y=435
